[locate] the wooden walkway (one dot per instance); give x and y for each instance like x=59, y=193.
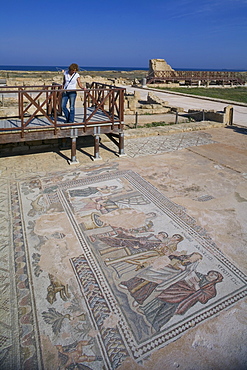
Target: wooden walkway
x=38, y=115
x=14, y=123
x=199, y=77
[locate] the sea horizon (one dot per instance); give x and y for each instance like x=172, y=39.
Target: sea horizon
x=127, y=69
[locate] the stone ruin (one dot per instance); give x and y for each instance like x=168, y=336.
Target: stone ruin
x=159, y=65
x=155, y=105
x=161, y=73
x=224, y=116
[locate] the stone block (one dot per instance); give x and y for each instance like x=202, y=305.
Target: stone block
x=128, y=111
x=146, y=106
x=177, y=109
x=131, y=103
x=152, y=98
x=137, y=95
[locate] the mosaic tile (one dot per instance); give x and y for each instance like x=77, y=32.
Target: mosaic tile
x=160, y=144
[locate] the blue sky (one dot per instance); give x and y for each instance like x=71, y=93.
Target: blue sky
x=125, y=33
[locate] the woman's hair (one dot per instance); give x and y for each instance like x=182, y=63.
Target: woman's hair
x=74, y=67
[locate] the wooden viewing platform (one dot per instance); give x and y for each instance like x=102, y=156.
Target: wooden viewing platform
x=36, y=114
x=205, y=77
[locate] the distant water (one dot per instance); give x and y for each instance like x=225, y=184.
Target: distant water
x=210, y=69
x=127, y=69
x=60, y=68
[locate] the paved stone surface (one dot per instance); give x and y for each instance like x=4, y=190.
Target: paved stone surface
x=206, y=179
x=188, y=102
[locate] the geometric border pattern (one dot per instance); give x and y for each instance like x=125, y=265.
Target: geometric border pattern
x=24, y=347
x=29, y=339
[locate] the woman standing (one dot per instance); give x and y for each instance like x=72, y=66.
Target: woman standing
x=180, y=297
x=70, y=80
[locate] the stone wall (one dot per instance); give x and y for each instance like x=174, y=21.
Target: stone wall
x=38, y=81
x=211, y=115
x=37, y=78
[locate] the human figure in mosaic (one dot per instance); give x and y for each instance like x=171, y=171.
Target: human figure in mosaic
x=160, y=274
x=180, y=297
x=172, y=242
x=88, y=203
x=142, y=229
x=125, y=217
x=164, y=246
x=132, y=243
x=90, y=190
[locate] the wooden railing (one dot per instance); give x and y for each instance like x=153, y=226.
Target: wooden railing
x=45, y=101
x=107, y=98
x=225, y=76
x=116, y=99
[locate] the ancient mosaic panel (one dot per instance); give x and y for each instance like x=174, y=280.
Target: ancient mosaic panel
x=111, y=268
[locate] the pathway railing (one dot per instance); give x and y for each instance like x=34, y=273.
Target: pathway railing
x=224, y=76
x=45, y=101
x=107, y=99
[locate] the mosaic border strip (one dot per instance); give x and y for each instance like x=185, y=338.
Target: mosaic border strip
x=28, y=337
x=9, y=347
x=100, y=305
x=110, y=339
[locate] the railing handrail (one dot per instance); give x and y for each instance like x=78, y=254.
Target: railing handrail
x=27, y=86
x=57, y=90
x=209, y=75
x=107, y=98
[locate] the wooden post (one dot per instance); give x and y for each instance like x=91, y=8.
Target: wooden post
x=96, y=147
x=21, y=113
x=231, y=117
x=121, y=144
x=136, y=119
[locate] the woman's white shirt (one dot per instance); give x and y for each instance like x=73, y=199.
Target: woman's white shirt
x=70, y=81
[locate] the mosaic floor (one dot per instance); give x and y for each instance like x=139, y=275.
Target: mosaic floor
x=103, y=268
x=161, y=144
